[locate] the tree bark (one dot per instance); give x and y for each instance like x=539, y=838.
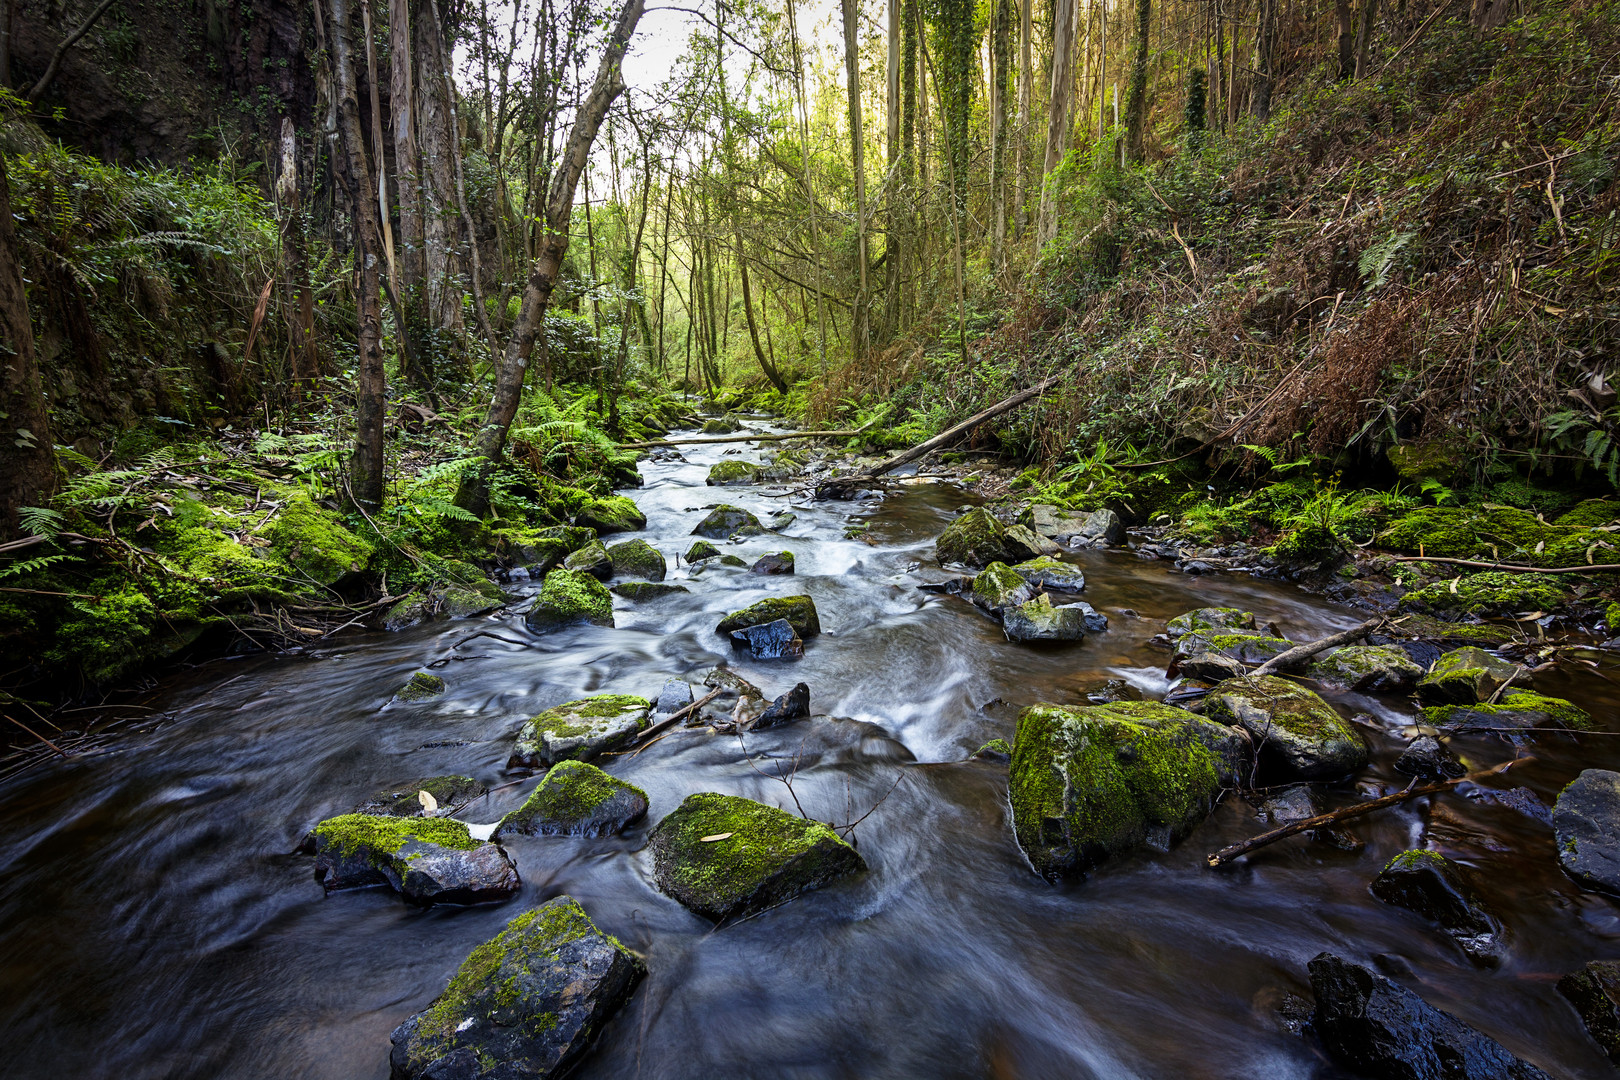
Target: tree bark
x=473, y=493
x=1263, y=48
x=1057, y=116
x=401, y=100
x=860, y=331
x=27, y=463
x=1369, y=18
x=1001, y=90
x=1026, y=65
x=300, y=298
x=1346, y=20
x=809, y=189
x=1136, y=99
x=441, y=268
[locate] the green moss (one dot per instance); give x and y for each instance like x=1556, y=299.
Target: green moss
x=762, y=840
x=315, y=542
x=1496, y=532
x=974, y=539
x=1489, y=593
x=1439, y=459
x=994, y=747
x=997, y=585
x=606, y=705
x=637, y=558
x=726, y=520
x=799, y=611
x=570, y=595
x=1211, y=618
x=107, y=637
x=1591, y=513
x=420, y=687
x=615, y=513
x=566, y=799
x=1414, y=859
x=1550, y=712
x=701, y=549
x=733, y=472
x=356, y=833
x=1611, y=616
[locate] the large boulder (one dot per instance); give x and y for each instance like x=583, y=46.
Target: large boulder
x=1088, y=783
x=1586, y=826
x=425, y=860
x=579, y=730
x=1098, y=526
x=1464, y=677
x=1051, y=573
x=799, y=611
x=1434, y=887
x=1243, y=646
x=975, y=539
x=1039, y=620
x=1594, y=990
x=591, y=559
x=523, y=1006
x=725, y=473
x=700, y=550
x=1296, y=734
x=1382, y=669
x=1518, y=712
x=570, y=599
x=616, y=513
x=1378, y=1028
x=638, y=559
x=726, y=520
x=998, y=587
x=724, y=855
x=1025, y=543
x=576, y=799
x=643, y=591
x=1211, y=620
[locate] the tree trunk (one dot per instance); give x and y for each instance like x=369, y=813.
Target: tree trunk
x=27, y=463
x=1026, y=72
x=1262, y=59
x=300, y=299
x=1136, y=99
x=1000, y=91
x=441, y=268
x=892, y=109
x=1347, y=38
x=1057, y=128
x=1369, y=19
x=860, y=332
x=473, y=494
x=809, y=189
x=366, y=465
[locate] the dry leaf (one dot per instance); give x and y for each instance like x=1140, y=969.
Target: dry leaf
x=1541, y=546
x=712, y=839
x=429, y=803
x=1454, y=585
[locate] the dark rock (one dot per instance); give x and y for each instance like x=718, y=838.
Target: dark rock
x=638, y=559
x=775, y=562
x=523, y=1006
x=799, y=611
x=1210, y=667
x=1464, y=677
x=1379, y=1028
x=1586, y=826
x=726, y=520
x=1051, y=573
x=1520, y=799
x=769, y=641
x=1040, y=620
x=1433, y=886
x=717, y=560
x=1594, y=990
x=1186, y=692
x=975, y=539
x=741, y=698
x=723, y=855
x=579, y=730
x=1245, y=647
x=675, y=696
x=576, y=799
x=1516, y=716
x=1425, y=757
x=420, y=687
x=1291, y=804
x=644, y=591
x=793, y=705
x=1296, y=734
x=996, y=750
x=1112, y=690
x=425, y=860
x=405, y=800
x=1211, y=620
x=700, y=550
x=592, y=559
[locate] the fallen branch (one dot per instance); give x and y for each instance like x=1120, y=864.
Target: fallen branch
x=1311, y=648
x=1476, y=564
x=1345, y=813
x=670, y=720
x=61, y=50
x=651, y=443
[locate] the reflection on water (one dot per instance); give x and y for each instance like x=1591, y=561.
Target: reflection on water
x=153, y=924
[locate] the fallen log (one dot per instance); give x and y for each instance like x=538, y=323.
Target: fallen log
x=944, y=438
x=652, y=443
x=1311, y=648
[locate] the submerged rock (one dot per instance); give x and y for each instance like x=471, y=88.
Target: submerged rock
x=975, y=539
x=741, y=697
x=1594, y=990
x=733, y=472
x=1516, y=712
x=1382, y=669
x=576, y=799
x=1211, y=620
x=425, y=860
x=1039, y=620
x=405, y=800
x=591, y=559
x=1586, y=827
x=420, y=687
x=616, y=513
x=1434, y=887
x=1426, y=758
x=799, y=611
x=1463, y=677
x=774, y=562
x=1379, y=1028
x=570, y=599
x=643, y=591
x=723, y=855
x=579, y=729
x=793, y=705
x=1296, y=734
x=774, y=640
x=726, y=520
x=1094, y=782
x=1050, y=573
x=638, y=559
x=523, y=1006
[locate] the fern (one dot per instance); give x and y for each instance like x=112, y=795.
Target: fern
x=40, y=521
x=31, y=566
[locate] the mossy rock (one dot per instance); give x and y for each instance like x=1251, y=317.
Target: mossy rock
x=426, y=860
x=570, y=599
x=1591, y=513
x=1382, y=669
x=1052, y=574
x=1040, y=620
x=1025, y=543
x=525, y=1004
x=414, y=608
x=463, y=602
x=700, y=550
x=591, y=559
x=573, y=537
x=996, y=750
x=718, y=426
x=1432, y=459
x=616, y=513
x=1489, y=593
x=420, y=687
x=975, y=539
x=1463, y=677
x=726, y=520
x=1594, y=990
x=733, y=472
x=1297, y=735
x=643, y=591
x=1211, y=619
x=315, y=542
x=998, y=587
x=799, y=611
x=724, y=855
x=638, y=559
x=579, y=730
x=1245, y=648
x=540, y=557
x=1449, y=635
x=1496, y=533
x=735, y=561
x=1089, y=783
x=576, y=799
x=1434, y=887
x=1517, y=711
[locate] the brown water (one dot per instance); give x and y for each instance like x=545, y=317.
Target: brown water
x=153, y=924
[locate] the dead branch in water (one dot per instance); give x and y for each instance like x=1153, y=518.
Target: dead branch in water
x=1311, y=648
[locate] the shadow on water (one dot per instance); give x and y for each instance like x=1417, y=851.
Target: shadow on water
x=154, y=924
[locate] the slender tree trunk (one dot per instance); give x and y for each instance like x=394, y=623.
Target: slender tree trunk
x=1346, y=20
x=1136, y=98
x=1057, y=110
x=490, y=441
x=435, y=137
x=1262, y=59
x=860, y=332
x=892, y=228
x=1369, y=22
x=809, y=187
x=401, y=97
x=1000, y=91
x=1102, y=77
x=300, y=299
x=27, y=462
x=1026, y=75
x=905, y=250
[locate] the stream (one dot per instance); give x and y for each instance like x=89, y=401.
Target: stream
x=154, y=923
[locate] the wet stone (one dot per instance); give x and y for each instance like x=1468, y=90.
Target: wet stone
x=1027, y=543
x=1040, y=620
x=998, y=751
x=775, y=562
x=579, y=729
x=769, y=641
x=1464, y=677
x=1519, y=799
x=726, y=520
x=700, y=550
x=799, y=611
x=1381, y=669
x=425, y=860
x=1296, y=734
x=591, y=559
x=420, y=687
x=1050, y=573
x=1426, y=758
x=793, y=705
x=1212, y=620
x=642, y=592
x=1434, y=887
x=1586, y=828
x=576, y=799
x=1594, y=990
x=675, y=696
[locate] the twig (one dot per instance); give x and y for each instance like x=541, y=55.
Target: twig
x=1311, y=648
x=1510, y=567
x=38, y=736
x=61, y=50
x=670, y=720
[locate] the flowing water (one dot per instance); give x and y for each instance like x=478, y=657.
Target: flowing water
x=154, y=924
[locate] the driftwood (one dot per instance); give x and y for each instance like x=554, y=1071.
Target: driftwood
x=1344, y=813
x=944, y=438
x=1311, y=648
x=1476, y=564
x=670, y=720
x=651, y=443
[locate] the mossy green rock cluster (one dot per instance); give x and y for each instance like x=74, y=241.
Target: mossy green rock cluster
x=1498, y=534
x=315, y=543
x=700, y=550
x=1296, y=735
x=638, y=559
x=1434, y=887
x=1463, y=677
x=1489, y=593
x=733, y=472
x=799, y=611
x=727, y=520
x=1382, y=669
x=524, y=1005
x=998, y=587
x=718, y=426
x=724, y=855
x=576, y=799
x=1040, y=620
x=570, y=599
x=579, y=729
x=1211, y=620
x=1089, y=783
x=1515, y=712
x=420, y=687
x=426, y=860
x=1450, y=635
x=1242, y=646
x=616, y=513
x=643, y=591
x=591, y=559
x=975, y=539
x=1051, y=573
